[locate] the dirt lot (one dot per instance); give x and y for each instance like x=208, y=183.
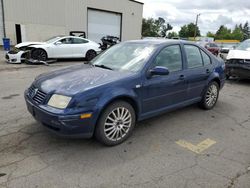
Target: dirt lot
x=162, y=152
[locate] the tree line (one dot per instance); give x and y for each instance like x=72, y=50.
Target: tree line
x=160, y=28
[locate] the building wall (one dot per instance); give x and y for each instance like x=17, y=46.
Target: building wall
x=43, y=19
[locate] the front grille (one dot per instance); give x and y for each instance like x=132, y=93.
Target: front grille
x=37, y=95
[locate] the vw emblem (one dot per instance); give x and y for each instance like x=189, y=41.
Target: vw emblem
x=33, y=93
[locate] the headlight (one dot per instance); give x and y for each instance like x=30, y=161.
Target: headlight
x=59, y=101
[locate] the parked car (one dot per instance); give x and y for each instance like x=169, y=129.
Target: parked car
x=213, y=48
x=129, y=82
x=238, y=61
x=54, y=48
x=225, y=48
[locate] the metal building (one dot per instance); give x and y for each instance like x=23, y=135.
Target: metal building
x=38, y=20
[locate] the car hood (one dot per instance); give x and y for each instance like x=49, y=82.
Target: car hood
x=72, y=80
x=28, y=44
x=238, y=54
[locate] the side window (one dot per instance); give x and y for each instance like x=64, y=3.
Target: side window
x=194, y=58
x=79, y=41
x=66, y=41
x=170, y=57
x=206, y=58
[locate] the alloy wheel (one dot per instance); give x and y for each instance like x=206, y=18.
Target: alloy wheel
x=117, y=124
x=211, y=95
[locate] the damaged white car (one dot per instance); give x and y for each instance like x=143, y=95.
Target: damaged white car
x=238, y=61
x=60, y=47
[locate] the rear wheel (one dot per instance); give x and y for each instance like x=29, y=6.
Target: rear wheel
x=115, y=123
x=39, y=54
x=90, y=55
x=210, y=97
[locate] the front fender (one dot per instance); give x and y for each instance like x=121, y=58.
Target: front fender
x=116, y=94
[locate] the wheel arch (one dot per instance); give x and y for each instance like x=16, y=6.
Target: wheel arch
x=125, y=98
x=40, y=48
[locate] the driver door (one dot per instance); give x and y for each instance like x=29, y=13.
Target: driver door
x=161, y=92
x=62, y=48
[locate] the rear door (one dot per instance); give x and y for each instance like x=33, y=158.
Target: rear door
x=199, y=68
x=160, y=92
x=79, y=47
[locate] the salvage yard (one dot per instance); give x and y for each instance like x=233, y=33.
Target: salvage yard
x=185, y=148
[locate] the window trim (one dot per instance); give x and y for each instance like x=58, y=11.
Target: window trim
x=182, y=59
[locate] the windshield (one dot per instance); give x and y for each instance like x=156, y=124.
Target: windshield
x=53, y=39
x=244, y=45
x=125, y=57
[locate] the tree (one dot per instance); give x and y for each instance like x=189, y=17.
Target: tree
x=246, y=31
x=237, y=33
x=210, y=34
x=172, y=35
x=223, y=33
x=155, y=27
x=189, y=31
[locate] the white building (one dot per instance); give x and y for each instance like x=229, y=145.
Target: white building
x=38, y=20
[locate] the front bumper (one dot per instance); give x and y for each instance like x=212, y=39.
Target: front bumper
x=14, y=58
x=238, y=70
x=63, y=125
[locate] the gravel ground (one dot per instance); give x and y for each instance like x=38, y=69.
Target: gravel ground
x=30, y=156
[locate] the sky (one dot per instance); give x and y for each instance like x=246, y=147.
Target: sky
x=213, y=12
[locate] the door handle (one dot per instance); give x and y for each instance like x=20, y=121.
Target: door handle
x=182, y=77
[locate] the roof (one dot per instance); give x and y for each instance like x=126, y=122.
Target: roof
x=159, y=41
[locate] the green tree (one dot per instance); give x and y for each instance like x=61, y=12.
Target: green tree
x=246, y=31
x=189, y=30
x=155, y=27
x=237, y=33
x=172, y=34
x=223, y=33
x=210, y=34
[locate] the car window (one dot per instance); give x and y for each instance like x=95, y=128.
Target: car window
x=213, y=45
x=78, y=41
x=66, y=41
x=206, y=58
x=170, y=57
x=194, y=58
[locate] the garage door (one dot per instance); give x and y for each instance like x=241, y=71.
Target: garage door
x=102, y=23
x=1, y=24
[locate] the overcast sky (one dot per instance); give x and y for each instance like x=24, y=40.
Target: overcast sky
x=213, y=12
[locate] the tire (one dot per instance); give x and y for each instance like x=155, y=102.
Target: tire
x=210, y=96
x=111, y=128
x=39, y=54
x=91, y=54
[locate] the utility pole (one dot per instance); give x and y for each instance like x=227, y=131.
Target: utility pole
x=196, y=25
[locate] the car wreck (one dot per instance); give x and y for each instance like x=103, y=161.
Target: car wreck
x=60, y=47
x=238, y=61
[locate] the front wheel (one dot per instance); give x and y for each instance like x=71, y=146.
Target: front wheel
x=115, y=123
x=210, y=97
x=39, y=54
x=90, y=55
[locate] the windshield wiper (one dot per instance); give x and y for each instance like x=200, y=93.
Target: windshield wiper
x=103, y=66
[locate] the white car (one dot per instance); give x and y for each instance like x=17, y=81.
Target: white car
x=54, y=48
x=238, y=61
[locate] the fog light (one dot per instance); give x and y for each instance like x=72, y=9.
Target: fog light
x=85, y=116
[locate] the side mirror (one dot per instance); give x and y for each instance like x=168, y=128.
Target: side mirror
x=158, y=70
x=58, y=43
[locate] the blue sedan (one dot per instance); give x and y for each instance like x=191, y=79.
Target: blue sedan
x=130, y=82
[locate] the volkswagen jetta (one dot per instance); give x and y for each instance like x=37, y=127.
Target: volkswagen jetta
x=130, y=82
